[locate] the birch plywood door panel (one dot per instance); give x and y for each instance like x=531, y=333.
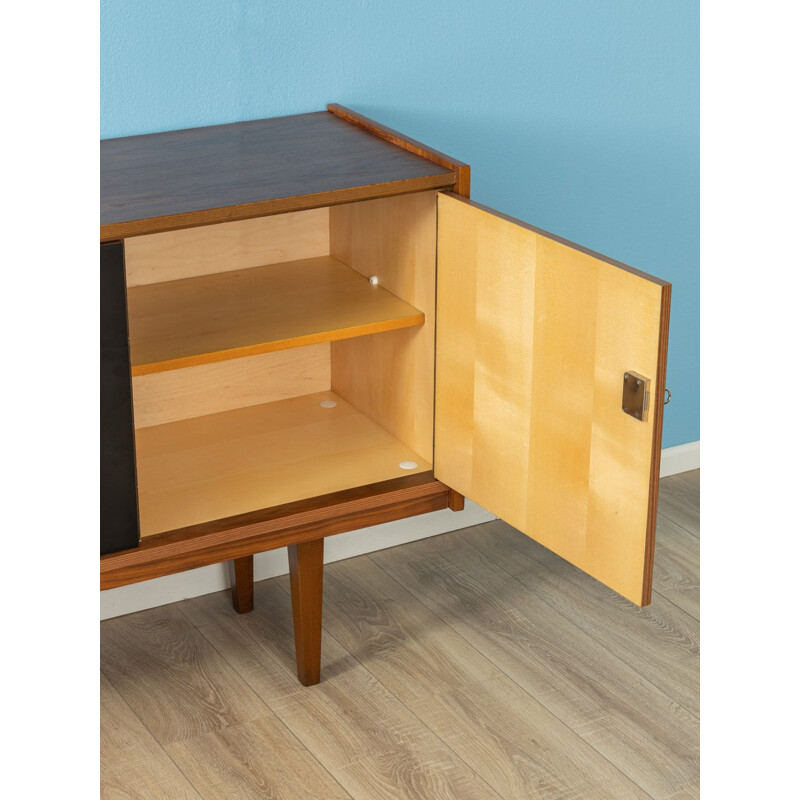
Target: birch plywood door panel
x=534, y=335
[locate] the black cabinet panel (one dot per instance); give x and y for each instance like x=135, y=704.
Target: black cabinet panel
x=119, y=514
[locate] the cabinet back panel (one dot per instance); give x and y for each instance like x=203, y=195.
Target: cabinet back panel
x=227, y=246
x=389, y=376
x=210, y=388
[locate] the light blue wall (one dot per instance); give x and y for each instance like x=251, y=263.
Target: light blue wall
x=579, y=116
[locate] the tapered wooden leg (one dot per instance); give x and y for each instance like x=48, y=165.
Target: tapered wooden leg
x=305, y=573
x=241, y=572
x=455, y=501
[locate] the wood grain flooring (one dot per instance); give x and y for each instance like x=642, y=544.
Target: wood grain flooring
x=475, y=664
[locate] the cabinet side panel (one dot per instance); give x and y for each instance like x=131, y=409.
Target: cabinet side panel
x=119, y=516
x=389, y=376
x=534, y=337
x=227, y=246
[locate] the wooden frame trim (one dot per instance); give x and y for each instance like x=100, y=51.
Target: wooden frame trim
x=412, y=145
x=268, y=529
x=655, y=461
x=210, y=216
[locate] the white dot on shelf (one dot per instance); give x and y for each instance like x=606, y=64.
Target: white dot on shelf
x=374, y=280
x=328, y=404
x=408, y=465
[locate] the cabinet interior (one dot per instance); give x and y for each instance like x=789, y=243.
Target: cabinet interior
x=244, y=333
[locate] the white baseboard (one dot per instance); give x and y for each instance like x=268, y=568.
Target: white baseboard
x=682, y=458
x=193, y=583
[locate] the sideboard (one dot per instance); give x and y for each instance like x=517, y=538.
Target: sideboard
x=307, y=327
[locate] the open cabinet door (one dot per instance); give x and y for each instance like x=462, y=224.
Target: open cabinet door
x=533, y=342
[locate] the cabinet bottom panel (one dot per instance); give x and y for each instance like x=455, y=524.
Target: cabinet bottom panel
x=271, y=528
x=217, y=466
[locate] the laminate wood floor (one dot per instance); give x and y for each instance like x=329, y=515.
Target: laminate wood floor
x=475, y=664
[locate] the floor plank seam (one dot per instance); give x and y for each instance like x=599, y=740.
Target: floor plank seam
x=671, y=490
x=674, y=605
x=268, y=706
x=590, y=634
x=675, y=522
x=509, y=677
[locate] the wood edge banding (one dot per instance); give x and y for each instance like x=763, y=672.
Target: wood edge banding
x=658, y=424
x=461, y=170
x=217, y=356
x=279, y=205
x=561, y=240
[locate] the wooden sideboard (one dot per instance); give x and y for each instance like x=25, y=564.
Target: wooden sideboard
x=308, y=328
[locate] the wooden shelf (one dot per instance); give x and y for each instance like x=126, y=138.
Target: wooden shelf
x=229, y=315
x=212, y=467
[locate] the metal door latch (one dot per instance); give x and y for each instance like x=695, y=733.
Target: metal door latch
x=635, y=395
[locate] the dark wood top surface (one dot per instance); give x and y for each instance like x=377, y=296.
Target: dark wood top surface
x=164, y=181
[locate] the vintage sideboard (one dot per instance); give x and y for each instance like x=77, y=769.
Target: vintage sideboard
x=307, y=327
